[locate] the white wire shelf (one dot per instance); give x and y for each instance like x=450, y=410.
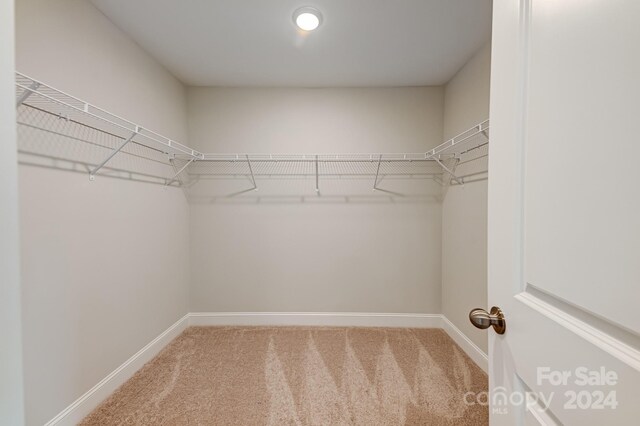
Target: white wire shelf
x=57, y=128
x=472, y=138
x=438, y=163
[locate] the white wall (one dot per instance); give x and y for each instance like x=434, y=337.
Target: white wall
x=104, y=263
x=307, y=254
x=11, y=378
x=464, y=210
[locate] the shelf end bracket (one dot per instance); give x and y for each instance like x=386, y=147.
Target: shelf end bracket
x=27, y=92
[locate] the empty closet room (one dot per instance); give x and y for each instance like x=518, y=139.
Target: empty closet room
x=251, y=212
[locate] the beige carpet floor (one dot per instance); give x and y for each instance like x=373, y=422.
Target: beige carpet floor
x=301, y=376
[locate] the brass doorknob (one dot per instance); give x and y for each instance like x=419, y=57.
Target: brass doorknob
x=483, y=319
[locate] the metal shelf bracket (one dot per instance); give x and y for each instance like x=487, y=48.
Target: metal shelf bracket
x=27, y=92
x=375, y=182
x=317, y=177
x=175, y=177
x=446, y=169
x=92, y=173
x=253, y=178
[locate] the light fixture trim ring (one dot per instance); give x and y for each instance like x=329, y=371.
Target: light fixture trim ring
x=310, y=10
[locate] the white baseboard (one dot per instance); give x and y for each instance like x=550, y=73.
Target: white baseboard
x=340, y=319
x=75, y=412
x=475, y=353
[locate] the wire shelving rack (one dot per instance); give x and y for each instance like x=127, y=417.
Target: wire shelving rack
x=55, y=127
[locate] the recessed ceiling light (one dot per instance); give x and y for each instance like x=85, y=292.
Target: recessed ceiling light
x=307, y=18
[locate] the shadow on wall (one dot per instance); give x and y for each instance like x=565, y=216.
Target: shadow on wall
x=331, y=189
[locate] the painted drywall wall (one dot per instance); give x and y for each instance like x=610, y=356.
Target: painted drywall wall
x=464, y=209
x=11, y=378
x=274, y=251
x=104, y=263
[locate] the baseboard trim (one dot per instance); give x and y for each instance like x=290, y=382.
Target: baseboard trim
x=342, y=319
x=75, y=412
x=475, y=353
x=81, y=407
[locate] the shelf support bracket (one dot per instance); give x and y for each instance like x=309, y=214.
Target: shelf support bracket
x=483, y=130
x=375, y=182
x=92, y=173
x=446, y=169
x=253, y=178
x=179, y=171
x=27, y=92
x=317, y=177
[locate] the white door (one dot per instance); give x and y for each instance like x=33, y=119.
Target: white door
x=564, y=212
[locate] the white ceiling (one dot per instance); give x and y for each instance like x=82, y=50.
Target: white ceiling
x=255, y=43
